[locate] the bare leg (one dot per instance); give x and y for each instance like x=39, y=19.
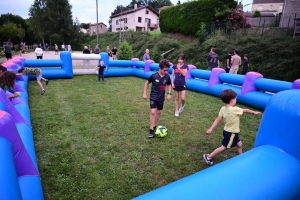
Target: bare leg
x=217, y=151
x=40, y=84
x=183, y=94
x=239, y=148
x=176, y=100
x=152, y=118
x=158, y=112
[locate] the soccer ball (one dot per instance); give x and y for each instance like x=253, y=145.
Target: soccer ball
x=161, y=131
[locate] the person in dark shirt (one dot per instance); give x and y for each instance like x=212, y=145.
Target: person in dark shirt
x=114, y=53
x=160, y=80
x=179, y=85
x=213, y=59
x=86, y=51
x=101, y=68
x=228, y=61
x=245, y=65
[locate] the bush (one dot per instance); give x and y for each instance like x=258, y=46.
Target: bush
x=256, y=13
x=125, y=51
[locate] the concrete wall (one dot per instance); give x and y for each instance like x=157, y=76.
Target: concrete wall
x=262, y=21
x=290, y=9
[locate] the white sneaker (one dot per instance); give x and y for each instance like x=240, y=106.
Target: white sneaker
x=181, y=109
x=176, y=114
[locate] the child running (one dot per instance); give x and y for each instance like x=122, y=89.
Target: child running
x=159, y=81
x=179, y=71
x=231, y=130
x=38, y=73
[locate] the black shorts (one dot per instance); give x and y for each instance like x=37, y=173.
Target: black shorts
x=180, y=88
x=39, y=57
x=156, y=104
x=230, y=139
x=8, y=55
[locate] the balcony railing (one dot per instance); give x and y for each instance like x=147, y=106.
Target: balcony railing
x=151, y=25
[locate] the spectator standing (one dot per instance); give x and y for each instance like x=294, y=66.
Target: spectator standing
x=228, y=61
x=114, y=53
x=69, y=48
x=213, y=59
x=13, y=50
x=39, y=52
x=246, y=64
x=146, y=55
x=63, y=47
x=91, y=49
x=56, y=49
x=86, y=51
x=108, y=51
x=235, y=62
x=97, y=49
x=46, y=48
x=7, y=51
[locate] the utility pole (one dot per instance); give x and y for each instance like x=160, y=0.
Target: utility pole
x=97, y=23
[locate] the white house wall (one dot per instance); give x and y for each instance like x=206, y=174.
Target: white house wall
x=132, y=20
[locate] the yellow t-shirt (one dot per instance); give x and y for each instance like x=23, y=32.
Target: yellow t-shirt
x=231, y=116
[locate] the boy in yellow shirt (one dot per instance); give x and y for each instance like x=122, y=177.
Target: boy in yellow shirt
x=231, y=116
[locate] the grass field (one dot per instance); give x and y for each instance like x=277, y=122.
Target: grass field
x=91, y=138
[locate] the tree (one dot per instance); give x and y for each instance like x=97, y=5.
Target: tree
x=85, y=25
x=21, y=32
x=125, y=51
x=8, y=30
x=256, y=14
x=37, y=12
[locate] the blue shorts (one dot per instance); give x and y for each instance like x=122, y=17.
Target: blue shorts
x=230, y=139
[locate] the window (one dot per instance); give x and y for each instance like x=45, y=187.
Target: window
x=260, y=7
x=117, y=22
x=139, y=19
x=280, y=7
x=101, y=26
x=271, y=7
x=146, y=20
x=147, y=12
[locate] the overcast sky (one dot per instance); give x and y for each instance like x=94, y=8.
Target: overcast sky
x=84, y=10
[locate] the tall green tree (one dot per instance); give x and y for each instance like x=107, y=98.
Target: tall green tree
x=8, y=30
x=38, y=18
x=21, y=32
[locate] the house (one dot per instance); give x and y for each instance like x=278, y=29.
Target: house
x=143, y=18
x=102, y=28
x=267, y=7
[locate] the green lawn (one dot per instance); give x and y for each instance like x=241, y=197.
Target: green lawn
x=91, y=138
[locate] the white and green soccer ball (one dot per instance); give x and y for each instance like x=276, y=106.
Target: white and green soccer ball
x=161, y=131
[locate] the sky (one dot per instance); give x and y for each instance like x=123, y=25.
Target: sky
x=84, y=10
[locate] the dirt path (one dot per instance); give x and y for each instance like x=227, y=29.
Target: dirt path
x=77, y=64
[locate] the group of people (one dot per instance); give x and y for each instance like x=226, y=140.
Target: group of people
x=233, y=61
x=229, y=113
x=112, y=52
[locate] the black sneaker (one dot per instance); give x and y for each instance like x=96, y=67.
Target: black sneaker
x=47, y=81
x=208, y=160
x=43, y=92
x=151, y=134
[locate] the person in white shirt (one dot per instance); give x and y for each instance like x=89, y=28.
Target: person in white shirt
x=69, y=48
x=39, y=52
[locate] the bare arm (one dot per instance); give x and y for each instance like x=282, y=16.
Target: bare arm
x=251, y=111
x=172, y=77
x=145, y=90
x=216, y=122
x=218, y=63
x=183, y=71
x=169, y=92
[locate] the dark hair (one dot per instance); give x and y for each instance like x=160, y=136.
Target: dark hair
x=213, y=49
x=2, y=68
x=181, y=55
x=164, y=63
x=8, y=78
x=21, y=70
x=228, y=95
x=237, y=52
x=230, y=52
x=246, y=55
